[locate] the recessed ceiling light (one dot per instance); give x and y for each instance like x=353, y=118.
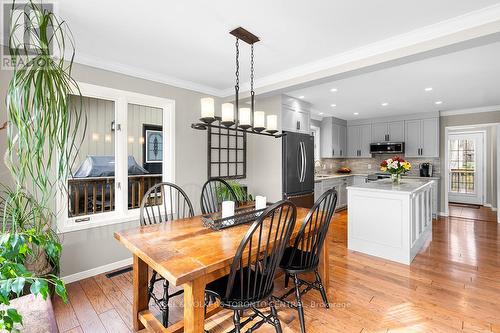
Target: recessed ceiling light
x=438, y=102
x=384, y=104
x=333, y=105
x=320, y=113
x=301, y=97
x=334, y=90
x=356, y=113
x=428, y=89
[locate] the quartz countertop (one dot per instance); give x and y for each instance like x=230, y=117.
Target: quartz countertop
x=386, y=185
x=337, y=175
x=343, y=175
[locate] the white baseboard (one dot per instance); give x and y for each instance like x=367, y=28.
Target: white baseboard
x=443, y=214
x=97, y=270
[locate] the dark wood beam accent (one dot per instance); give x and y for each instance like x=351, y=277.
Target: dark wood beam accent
x=245, y=35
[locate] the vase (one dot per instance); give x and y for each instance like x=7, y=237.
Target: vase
x=396, y=178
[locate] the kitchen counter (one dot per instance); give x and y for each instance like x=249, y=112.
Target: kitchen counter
x=342, y=175
x=386, y=185
x=390, y=221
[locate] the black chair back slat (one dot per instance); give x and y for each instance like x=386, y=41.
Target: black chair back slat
x=162, y=202
x=264, y=244
x=211, y=200
x=311, y=237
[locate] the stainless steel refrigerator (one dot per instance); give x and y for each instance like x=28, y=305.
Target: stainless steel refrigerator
x=298, y=168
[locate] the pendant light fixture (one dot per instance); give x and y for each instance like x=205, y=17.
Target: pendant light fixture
x=242, y=119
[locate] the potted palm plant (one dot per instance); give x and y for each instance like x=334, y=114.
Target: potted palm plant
x=42, y=139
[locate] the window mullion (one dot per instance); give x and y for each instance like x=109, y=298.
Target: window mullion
x=121, y=164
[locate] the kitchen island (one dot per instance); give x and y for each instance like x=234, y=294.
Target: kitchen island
x=390, y=221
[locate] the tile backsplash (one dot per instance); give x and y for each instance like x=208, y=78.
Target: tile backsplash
x=371, y=165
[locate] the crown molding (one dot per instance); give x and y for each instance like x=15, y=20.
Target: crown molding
x=87, y=60
x=457, y=29
x=490, y=108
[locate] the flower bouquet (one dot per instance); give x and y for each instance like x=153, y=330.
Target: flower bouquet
x=395, y=166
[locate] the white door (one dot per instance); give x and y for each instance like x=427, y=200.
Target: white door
x=465, y=168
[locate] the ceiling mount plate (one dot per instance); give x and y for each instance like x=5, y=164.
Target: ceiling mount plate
x=245, y=35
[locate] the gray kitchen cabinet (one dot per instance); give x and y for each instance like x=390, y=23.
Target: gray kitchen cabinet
x=396, y=131
x=359, y=180
x=295, y=115
x=359, y=138
x=326, y=137
x=333, y=138
x=318, y=190
x=422, y=138
x=388, y=131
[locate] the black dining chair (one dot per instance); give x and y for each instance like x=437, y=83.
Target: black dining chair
x=164, y=202
x=251, y=278
x=303, y=256
x=213, y=192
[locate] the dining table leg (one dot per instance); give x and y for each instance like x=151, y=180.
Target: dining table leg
x=140, y=290
x=324, y=268
x=194, y=306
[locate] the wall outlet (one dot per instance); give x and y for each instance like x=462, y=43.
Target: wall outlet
x=369, y=166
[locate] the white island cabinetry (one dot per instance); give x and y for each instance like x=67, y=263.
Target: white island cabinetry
x=390, y=221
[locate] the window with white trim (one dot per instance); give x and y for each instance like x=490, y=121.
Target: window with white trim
x=128, y=147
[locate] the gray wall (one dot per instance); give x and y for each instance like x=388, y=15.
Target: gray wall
x=264, y=157
x=492, y=149
x=87, y=249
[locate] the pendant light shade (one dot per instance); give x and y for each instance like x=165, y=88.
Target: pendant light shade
x=207, y=110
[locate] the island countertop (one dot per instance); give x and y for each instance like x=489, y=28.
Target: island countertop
x=386, y=185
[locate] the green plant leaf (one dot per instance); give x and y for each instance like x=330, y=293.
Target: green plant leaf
x=40, y=287
x=15, y=316
x=18, y=285
x=61, y=290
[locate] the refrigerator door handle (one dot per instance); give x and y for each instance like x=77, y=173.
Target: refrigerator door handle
x=299, y=162
x=304, y=169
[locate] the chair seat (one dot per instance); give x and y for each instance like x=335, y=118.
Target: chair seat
x=235, y=300
x=298, y=261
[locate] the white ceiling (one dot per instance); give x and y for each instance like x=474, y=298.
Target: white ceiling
x=461, y=80
x=188, y=42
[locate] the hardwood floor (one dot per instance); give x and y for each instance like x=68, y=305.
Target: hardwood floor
x=453, y=285
x=481, y=213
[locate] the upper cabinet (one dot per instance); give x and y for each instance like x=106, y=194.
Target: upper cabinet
x=359, y=138
x=333, y=138
x=388, y=131
x=422, y=137
x=295, y=115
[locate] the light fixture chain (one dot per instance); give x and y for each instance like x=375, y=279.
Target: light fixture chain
x=251, y=69
x=237, y=63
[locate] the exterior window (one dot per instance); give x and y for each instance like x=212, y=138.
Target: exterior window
x=128, y=147
x=462, y=165
x=145, y=149
x=92, y=182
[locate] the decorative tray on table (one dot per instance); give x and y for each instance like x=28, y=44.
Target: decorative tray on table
x=242, y=215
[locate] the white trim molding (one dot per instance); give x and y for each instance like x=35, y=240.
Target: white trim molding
x=491, y=108
x=97, y=270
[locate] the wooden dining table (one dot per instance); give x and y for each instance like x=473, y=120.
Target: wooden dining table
x=187, y=254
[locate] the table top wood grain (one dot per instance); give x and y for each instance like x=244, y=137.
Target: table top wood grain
x=185, y=249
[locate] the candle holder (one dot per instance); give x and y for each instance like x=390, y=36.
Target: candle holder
x=227, y=123
x=208, y=120
x=259, y=129
x=244, y=126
